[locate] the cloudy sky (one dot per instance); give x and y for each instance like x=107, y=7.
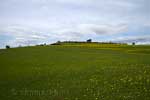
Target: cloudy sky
x=28, y=22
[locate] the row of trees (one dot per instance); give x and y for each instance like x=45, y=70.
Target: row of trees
x=59, y=42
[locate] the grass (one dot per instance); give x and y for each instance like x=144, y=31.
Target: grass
x=75, y=72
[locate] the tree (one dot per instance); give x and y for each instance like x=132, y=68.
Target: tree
x=133, y=43
x=89, y=40
x=7, y=46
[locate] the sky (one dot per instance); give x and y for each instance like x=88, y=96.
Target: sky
x=31, y=22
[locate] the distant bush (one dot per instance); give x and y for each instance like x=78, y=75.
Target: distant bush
x=7, y=46
x=41, y=44
x=56, y=44
x=44, y=44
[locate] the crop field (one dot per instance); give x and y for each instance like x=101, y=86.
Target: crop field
x=75, y=72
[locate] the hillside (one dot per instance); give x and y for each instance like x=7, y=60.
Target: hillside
x=75, y=72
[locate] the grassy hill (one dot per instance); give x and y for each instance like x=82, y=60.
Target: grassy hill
x=75, y=72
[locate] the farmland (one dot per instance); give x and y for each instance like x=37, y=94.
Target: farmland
x=75, y=72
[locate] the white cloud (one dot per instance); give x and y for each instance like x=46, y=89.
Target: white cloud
x=138, y=39
x=25, y=35
x=104, y=29
x=52, y=20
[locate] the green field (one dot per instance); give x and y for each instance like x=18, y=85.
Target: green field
x=75, y=72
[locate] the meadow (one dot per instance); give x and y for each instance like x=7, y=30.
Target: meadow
x=75, y=72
